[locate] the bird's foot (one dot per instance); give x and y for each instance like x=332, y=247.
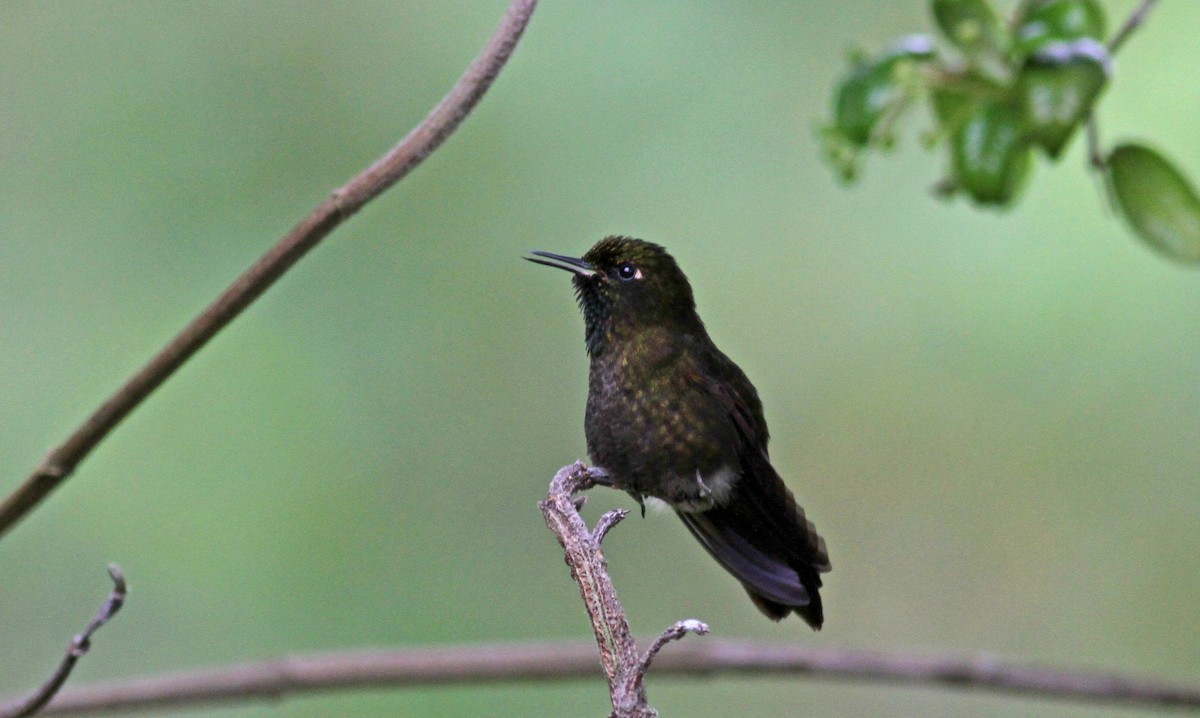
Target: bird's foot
x=600, y=476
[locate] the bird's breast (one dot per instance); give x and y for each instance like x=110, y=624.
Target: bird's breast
x=656, y=433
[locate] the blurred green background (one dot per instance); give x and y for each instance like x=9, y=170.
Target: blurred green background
x=992, y=417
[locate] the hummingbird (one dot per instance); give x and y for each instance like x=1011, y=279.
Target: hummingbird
x=670, y=417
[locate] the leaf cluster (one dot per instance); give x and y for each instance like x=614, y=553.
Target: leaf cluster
x=1000, y=92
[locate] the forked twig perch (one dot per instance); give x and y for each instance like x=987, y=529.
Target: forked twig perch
x=624, y=668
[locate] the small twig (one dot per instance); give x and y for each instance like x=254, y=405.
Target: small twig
x=1135, y=19
x=61, y=462
x=293, y=676
x=1099, y=164
x=1095, y=153
x=78, y=646
x=674, y=633
x=607, y=522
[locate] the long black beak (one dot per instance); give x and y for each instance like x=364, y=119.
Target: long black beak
x=571, y=264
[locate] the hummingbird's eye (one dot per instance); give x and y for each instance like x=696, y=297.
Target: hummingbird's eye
x=627, y=271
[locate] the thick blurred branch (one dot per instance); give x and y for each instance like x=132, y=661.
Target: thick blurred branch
x=344, y=202
x=625, y=670
x=78, y=646
x=576, y=660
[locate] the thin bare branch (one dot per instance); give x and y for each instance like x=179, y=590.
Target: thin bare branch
x=61, y=462
x=576, y=660
x=1094, y=152
x=78, y=646
x=1096, y=158
x=1133, y=22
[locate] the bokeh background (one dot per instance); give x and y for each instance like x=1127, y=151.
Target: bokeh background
x=992, y=417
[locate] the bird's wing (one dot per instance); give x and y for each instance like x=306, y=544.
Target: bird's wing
x=710, y=371
x=760, y=534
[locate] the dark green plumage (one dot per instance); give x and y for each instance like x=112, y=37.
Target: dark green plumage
x=671, y=417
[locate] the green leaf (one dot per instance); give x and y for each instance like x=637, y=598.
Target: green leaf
x=1157, y=201
x=840, y=153
x=861, y=100
x=990, y=154
x=955, y=96
x=1041, y=22
x=952, y=106
x=971, y=25
x=1057, y=88
x=873, y=88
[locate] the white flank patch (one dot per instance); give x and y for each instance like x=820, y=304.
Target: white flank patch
x=719, y=483
x=656, y=506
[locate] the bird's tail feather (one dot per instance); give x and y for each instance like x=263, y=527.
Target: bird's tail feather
x=761, y=536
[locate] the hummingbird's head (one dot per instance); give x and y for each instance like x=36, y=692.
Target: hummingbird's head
x=626, y=282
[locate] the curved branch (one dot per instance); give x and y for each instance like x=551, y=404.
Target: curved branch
x=76, y=649
x=576, y=660
x=344, y=202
